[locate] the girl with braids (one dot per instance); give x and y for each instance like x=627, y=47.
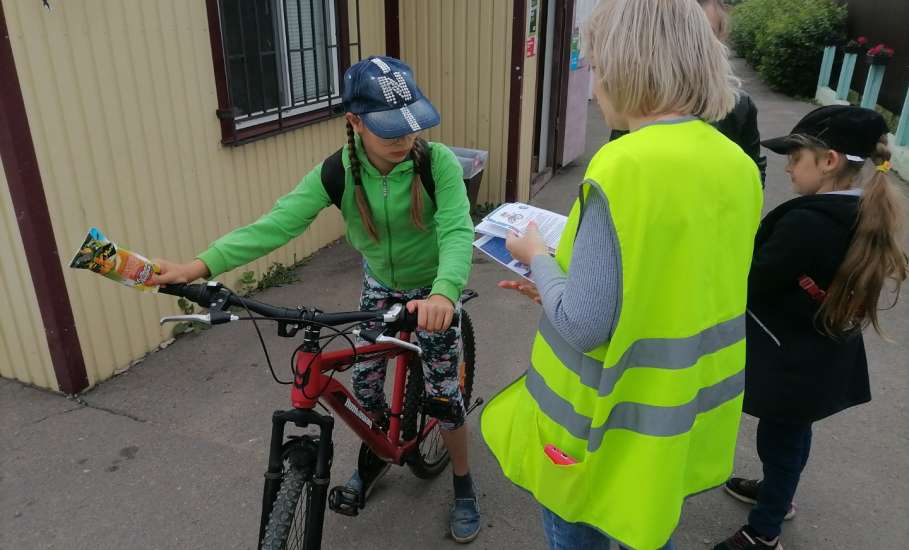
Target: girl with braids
x=821, y=263
x=417, y=248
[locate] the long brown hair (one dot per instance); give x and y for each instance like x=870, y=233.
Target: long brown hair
x=417, y=154
x=875, y=254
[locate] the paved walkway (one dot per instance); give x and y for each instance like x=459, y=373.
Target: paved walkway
x=170, y=454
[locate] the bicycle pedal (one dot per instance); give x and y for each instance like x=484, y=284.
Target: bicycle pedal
x=344, y=500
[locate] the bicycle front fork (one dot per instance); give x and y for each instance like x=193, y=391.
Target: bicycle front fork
x=281, y=450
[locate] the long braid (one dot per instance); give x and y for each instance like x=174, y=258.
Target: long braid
x=362, y=202
x=418, y=153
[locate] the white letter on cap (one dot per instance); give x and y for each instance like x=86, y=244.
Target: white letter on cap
x=392, y=89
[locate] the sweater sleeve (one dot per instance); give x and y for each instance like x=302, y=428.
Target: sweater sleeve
x=289, y=217
x=454, y=228
x=583, y=305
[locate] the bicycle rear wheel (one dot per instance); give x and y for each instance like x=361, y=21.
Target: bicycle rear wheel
x=430, y=456
x=286, y=526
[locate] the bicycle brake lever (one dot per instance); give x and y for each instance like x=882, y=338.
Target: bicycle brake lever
x=383, y=339
x=400, y=343
x=210, y=318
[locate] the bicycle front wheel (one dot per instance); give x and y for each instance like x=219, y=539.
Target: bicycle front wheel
x=287, y=522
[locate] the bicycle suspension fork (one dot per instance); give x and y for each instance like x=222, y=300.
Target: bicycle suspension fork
x=299, y=451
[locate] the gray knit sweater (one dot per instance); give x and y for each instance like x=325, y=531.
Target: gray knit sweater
x=583, y=305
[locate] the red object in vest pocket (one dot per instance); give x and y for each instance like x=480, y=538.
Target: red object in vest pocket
x=557, y=456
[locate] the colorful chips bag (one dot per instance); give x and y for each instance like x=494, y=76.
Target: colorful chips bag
x=102, y=256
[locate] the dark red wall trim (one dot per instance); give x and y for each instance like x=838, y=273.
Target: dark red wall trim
x=561, y=57
x=217, y=58
x=392, y=29
x=516, y=68
x=23, y=177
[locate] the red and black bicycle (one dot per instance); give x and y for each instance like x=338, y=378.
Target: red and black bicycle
x=299, y=465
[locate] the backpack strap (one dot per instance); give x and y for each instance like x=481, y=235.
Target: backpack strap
x=333, y=179
x=425, y=172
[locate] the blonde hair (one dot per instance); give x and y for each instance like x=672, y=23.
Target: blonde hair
x=659, y=56
x=875, y=254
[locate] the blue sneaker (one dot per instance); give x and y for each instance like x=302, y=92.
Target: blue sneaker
x=465, y=519
x=364, y=487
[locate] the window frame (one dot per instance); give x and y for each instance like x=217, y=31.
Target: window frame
x=236, y=131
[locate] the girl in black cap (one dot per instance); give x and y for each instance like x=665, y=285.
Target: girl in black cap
x=820, y=264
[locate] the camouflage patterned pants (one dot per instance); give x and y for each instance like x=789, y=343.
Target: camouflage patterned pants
x=441, y=351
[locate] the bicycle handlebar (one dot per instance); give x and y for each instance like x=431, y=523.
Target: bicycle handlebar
x=217, y=298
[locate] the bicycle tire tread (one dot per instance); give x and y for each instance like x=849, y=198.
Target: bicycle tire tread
x=282, y=513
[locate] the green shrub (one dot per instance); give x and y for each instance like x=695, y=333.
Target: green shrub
x=785, y=40
x=748, y=21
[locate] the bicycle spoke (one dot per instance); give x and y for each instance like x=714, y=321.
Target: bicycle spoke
x=434, y=448
x=298, y=525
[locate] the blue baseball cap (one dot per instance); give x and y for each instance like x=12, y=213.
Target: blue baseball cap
x=382, y=92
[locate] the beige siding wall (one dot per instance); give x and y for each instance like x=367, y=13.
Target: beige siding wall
x=460, y=52
x=121, y=100
x=23, y=347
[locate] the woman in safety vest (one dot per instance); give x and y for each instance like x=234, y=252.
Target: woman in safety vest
x=633, y=396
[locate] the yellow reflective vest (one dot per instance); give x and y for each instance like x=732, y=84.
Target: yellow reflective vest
x=652, y=415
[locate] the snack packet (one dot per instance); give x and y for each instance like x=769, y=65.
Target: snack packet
x=102, y=256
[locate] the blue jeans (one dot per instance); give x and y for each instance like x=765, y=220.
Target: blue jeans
x=577, y=536
x=783, y=449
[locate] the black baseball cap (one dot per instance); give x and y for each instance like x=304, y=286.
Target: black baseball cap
x=382, y=91
x=853, y=131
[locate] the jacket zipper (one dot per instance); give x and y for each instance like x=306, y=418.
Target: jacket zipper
x=764, y=328
x=391, y=264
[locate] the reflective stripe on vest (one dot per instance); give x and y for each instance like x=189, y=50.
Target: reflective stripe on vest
x=635, y=417
x=659, y=353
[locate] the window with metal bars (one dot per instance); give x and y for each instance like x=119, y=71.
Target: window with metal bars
x=282, y=62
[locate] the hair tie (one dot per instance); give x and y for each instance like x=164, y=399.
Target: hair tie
x=883, y=167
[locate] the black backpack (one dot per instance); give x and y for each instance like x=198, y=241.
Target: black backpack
x=333, y=179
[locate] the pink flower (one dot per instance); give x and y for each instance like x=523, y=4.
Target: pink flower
x=876, y=50
x=888, y=52
x=862, y=40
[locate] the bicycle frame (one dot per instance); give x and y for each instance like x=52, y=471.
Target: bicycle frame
x=312, y=384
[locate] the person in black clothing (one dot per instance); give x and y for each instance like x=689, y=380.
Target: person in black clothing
x=820, y=263
x=740, y=125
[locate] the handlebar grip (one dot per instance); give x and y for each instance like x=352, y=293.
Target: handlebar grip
x=192, y=292
x=408, y=320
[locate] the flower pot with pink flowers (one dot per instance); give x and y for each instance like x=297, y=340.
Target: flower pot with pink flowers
x=879, y=55
x=857, y=45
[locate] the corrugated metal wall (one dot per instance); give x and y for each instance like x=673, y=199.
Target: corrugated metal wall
x=120, y=96
x=23, y=347
x=460, y=52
